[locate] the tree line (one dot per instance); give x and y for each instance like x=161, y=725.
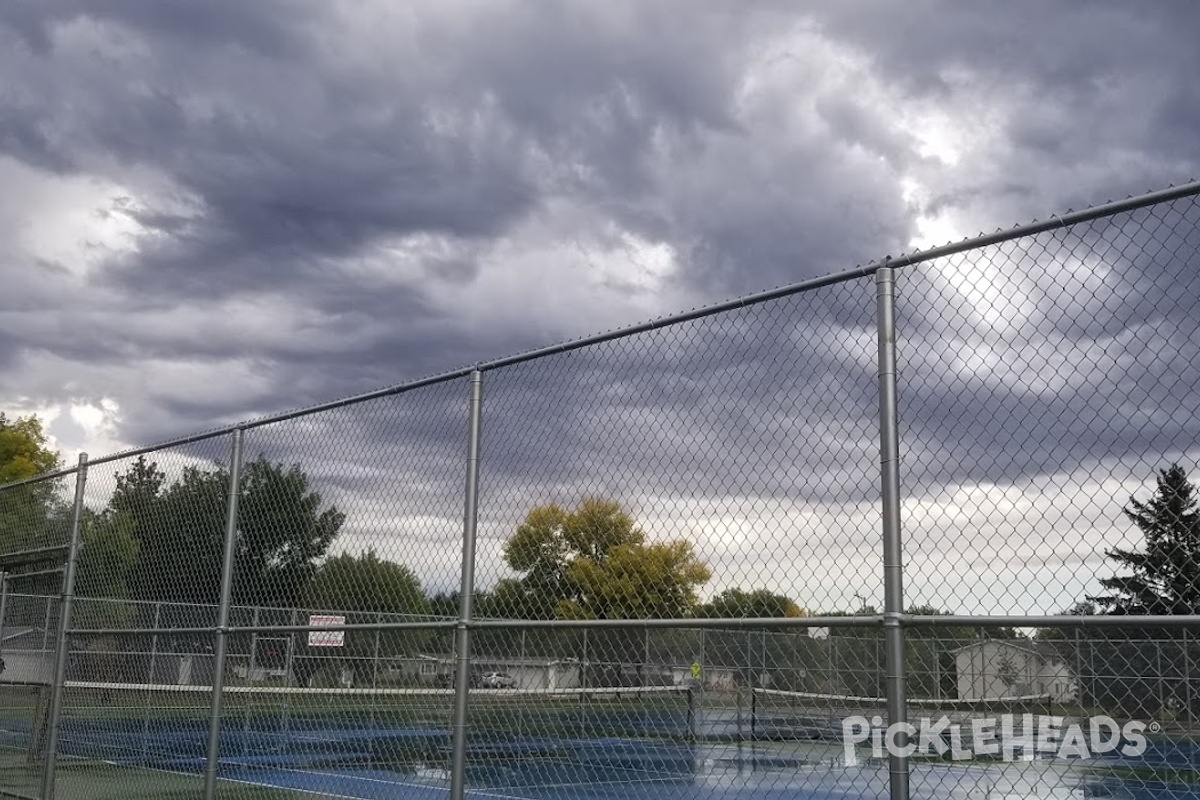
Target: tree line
x=161, y=540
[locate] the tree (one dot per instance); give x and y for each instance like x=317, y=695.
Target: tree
x=283, y=532
x=23, y=449
x=1165, y=577
x=178, y=532
x=784, y=657
x=1133, y=669
x=101, y=583
x=594, y=563
x=368, y=589
x=739, y=603
x=33, y=515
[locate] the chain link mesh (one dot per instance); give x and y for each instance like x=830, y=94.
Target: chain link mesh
x=678, y=572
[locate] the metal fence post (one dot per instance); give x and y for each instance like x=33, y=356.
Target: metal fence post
x=46, y=625
x=222, y=630
x=64, y=625
x=253, y=660
x=1187, y=680
x=462, y=677
x=4, y=604
x=150, y=678
x=703, y=671
x=251, y=668
x=937, y=669
x=893, y=570
x=378, y=653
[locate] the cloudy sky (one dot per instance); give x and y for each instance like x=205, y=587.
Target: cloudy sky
x=214, y=212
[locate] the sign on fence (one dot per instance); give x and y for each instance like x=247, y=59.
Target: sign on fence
x=326, y=638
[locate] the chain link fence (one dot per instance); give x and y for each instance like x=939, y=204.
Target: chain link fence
x=923, y=529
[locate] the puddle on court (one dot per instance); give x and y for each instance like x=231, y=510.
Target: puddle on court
x=709, y=772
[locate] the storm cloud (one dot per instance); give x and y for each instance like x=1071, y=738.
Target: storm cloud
x=214, y=213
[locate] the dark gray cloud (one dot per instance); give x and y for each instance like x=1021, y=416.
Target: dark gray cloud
x=219, y=211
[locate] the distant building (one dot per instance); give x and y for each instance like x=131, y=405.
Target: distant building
x=1001, y=668
x=25, y=661
x=527, y=673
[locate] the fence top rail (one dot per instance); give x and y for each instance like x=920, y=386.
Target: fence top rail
x=1189, y=189
x=21, y=558
x=730, y=623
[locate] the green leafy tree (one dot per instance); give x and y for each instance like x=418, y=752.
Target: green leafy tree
x=592, y=562
x=109, y=551
x=23, y=449
x=283, y=531
x=33, y=515
x=739, y=603
x=171, y=536
x=784, y=657
x=366, y=589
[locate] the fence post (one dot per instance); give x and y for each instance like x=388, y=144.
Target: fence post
x=462, y=677
x=378, y=653
x=150, y=678
x=64, y=625
x=1187, y=680
x=253, y=660
x=252, y=665
x=4, y=609
x=46, y=625
x=893, y=570
x=222, y=630
x=703, y=671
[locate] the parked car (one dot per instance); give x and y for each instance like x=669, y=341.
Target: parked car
x=497, y=680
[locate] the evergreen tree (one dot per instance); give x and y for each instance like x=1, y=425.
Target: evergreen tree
x=1164, y=578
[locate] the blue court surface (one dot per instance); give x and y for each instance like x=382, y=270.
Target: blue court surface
x=315, y=758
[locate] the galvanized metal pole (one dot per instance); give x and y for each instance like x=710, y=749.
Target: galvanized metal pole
x=462, y=677
x=937, y=669
x=251, y=668
x=893, y=569
x=253, y=665
x=46, y=625
x=375, y=660
x=64, y=625
x=222, y=631
x=150, y=678
x=4, y=604
x=1187, y=680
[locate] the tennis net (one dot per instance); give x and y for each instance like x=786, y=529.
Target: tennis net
x=22, y=715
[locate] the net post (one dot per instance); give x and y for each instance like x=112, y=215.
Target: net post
x=63, y=642
x=691, y=713
x=893, y=570
x=222, y=631
x=458, y=766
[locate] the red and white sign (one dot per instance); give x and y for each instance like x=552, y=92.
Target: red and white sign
x=326, y=638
